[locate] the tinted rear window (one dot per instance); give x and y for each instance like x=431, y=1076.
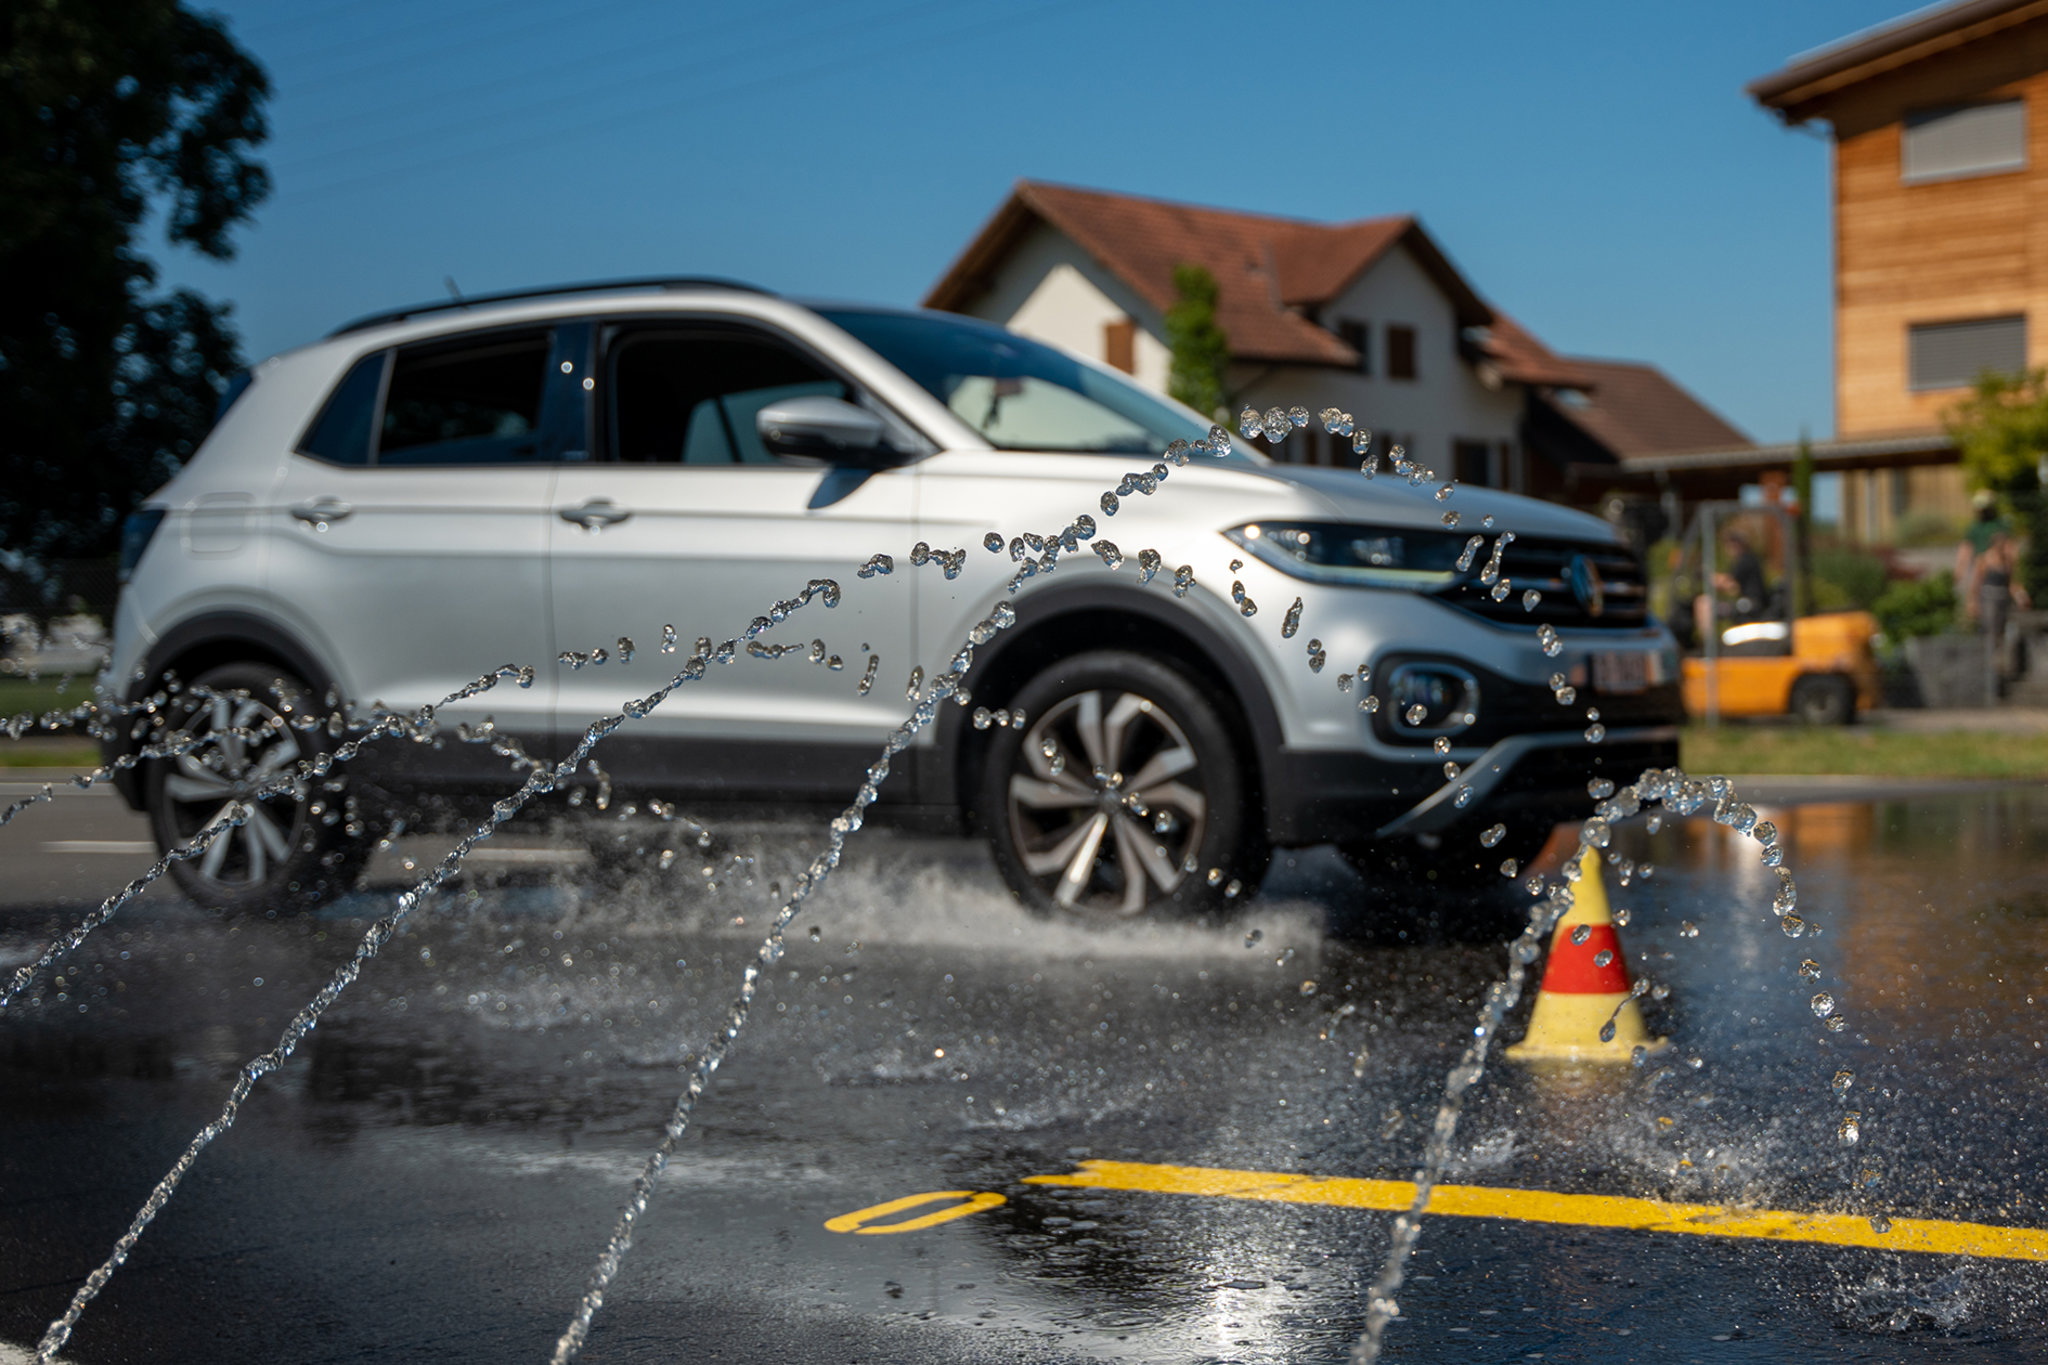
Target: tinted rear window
x=341, y=433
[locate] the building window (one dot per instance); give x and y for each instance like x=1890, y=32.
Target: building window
x=1950, y=355
x=1358, y=337
x=1472, y=462
x=1968, y=139
x=1400, y=352
x=1120, y=345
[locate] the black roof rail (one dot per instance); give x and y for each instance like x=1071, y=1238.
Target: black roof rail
x=549, y=291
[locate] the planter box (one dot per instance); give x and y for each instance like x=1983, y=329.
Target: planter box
x=1950, y=670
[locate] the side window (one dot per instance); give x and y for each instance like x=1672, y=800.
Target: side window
x=476, y=401
x=691, y=398
x=341, y=433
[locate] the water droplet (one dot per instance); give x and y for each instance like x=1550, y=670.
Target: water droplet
x=1607, y=1032
x=1450, y=519
x=1110, y=504
x=1823, y=1005
x=1250, y=423
x=668, y=639
x=1687, y=929
x=1276, y=424
x=1810, y=969
x=1493, y=835
x=1148, y=565
x=1308, y=988
x=1219, y=441
x=1581, y=932
x=1316, y=657
x=981, y=716
x=877, y=564
x=1530, y=599
x=1603, y=957
x=1183, y=579
x=1850, y=1129
x=1471, y=549
x=916, y=681
x=1597, y=832
x=1291, y=622
x=1842, y=1081
x=1233, y=890
x=1215, y=876
x=1546, y=635
x=1297, y=415
x=1880, y=1224
x=1336, y=421
x=1369, y=703
x=1595, y=733
x=1109, y=554
x=1414, y=714
x=1792, y=925
x=1509, y=868
x=1487, y=521
x=1248, y=607
x=1251, y=939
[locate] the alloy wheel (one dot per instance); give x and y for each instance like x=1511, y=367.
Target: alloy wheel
x=244, y=745
x=1106, y=803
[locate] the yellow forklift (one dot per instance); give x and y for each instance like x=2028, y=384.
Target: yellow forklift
x=1734, y=590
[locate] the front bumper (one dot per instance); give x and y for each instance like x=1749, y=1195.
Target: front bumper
x=1350, y=798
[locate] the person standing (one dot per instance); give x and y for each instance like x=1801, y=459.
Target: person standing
x=1987, y=565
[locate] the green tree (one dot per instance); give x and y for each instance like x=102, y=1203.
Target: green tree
x=2001, y=430
x=1200, y=350
x=114, y=115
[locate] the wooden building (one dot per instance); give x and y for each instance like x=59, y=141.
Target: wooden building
x=1938, y=124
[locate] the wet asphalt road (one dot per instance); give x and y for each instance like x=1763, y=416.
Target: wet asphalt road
x=431, y=1178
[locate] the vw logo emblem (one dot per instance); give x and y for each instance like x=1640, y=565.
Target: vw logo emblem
x=1584, y=581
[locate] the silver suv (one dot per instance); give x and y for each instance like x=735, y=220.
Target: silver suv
x=578, y=478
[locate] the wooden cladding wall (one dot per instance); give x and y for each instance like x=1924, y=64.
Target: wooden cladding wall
x=1944, y=251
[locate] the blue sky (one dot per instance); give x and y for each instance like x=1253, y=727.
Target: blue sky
x=1593, y=168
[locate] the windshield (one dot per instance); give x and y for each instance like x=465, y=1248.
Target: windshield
x=1021, y=394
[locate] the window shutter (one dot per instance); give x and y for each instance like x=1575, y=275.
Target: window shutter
x=1969, y=139
x=1950, y=355
x=1120, y=345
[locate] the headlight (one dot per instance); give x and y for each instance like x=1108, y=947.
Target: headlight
x=1340, y=552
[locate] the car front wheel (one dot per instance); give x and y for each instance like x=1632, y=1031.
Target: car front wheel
x=1123, y=794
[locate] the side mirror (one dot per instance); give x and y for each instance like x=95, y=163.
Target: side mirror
x=819, y=428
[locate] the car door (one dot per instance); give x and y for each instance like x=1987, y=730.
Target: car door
x=686, y=521
x=409, y=531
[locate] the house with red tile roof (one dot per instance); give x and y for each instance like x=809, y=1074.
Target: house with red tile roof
x=1368, y=316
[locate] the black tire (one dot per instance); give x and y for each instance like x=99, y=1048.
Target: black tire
x=1069, y=839
x=295, y=851
x=1824, y=699
x=1448, y=887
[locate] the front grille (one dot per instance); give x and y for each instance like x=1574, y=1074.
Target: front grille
x=1622, y=597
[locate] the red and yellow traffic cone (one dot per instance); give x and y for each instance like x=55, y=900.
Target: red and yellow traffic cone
x=1581, y=989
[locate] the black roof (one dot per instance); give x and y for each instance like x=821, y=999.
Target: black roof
x=362, y=324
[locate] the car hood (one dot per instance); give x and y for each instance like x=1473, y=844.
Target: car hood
x=1388, y=500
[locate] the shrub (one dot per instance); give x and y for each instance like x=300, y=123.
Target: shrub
x=1926, y=607
x=1846, y=579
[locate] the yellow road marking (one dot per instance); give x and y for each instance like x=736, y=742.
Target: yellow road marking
x=858, y=1220
x=1578, y=1210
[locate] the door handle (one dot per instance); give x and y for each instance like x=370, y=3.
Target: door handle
x=321, y=512
x=594, y=515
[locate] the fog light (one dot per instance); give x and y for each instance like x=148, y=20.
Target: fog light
x=1429, y=699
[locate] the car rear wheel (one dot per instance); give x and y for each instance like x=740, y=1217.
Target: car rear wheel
x=1121, y=794
x=294, y=849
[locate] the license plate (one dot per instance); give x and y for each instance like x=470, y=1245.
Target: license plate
x=1618, y=672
